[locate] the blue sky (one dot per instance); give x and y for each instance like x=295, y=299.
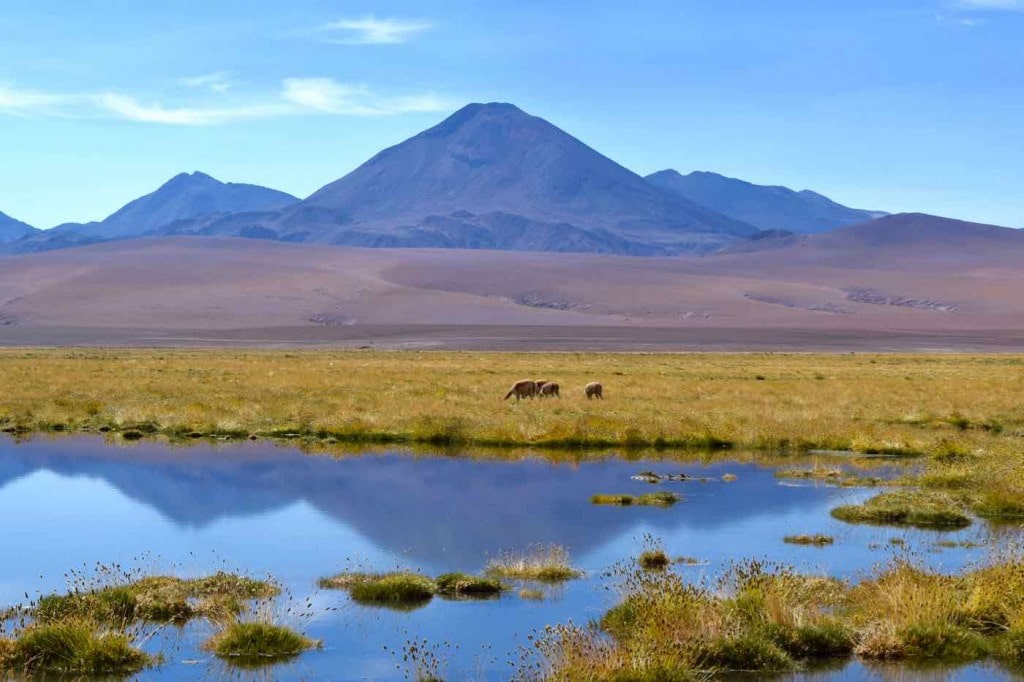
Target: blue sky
x=897, y=105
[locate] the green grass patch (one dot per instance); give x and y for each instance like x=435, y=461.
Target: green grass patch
x=254, y=644
x=816, y=539
x=463, y=585
x=545, y=563
x=72, y=648
x=159, y=599
x=658, y=499
x=920, y=509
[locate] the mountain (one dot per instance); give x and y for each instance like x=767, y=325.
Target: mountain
x=492, y=176
x=11, y=229
x=766, y=207
x=921, y=233
x=185, y=196
x=46, y=240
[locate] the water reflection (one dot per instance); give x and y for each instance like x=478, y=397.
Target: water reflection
x=266, y=509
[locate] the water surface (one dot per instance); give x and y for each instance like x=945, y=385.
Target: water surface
x=264, y=509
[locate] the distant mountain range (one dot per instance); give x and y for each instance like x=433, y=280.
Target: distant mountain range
x=491, y=176
x=11, y=229
x=488, y=177
x=765, y=207
x=185, y=196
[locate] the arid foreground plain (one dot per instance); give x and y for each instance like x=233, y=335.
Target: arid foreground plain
x=906, y=282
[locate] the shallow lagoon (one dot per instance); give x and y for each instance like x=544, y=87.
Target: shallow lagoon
x=263, y=509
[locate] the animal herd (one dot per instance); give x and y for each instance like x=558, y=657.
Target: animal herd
x=539, y=388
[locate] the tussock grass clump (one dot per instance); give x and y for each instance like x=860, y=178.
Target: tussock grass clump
x=832, y=476
x=395, y=589
x=73, y=647
x=406, y=590
x=815, y=473
x=658, y=499
x=258, y=643
x=765, y=618
x=546, y=563
x=816, y=539
x=757, y=618
x=621, y=500
x=920, y=509
x=462, y=585
x=653, y=559
x=151, y=598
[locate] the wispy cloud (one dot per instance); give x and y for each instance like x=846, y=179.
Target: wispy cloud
x=295, y=97
x=218, y=81
x=329, y=96
x=130, y=109
x=971, y=13
x=1017, y=5
x=370, y=30
x=26, y=102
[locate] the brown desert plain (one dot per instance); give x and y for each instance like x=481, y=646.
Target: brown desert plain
x=905, y=282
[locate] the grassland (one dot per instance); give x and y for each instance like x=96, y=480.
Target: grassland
x=882, y=404
x=962, y=414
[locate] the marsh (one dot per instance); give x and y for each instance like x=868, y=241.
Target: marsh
x=73, y=501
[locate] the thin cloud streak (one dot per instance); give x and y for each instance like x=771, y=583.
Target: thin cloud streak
x=370, y=30
x=218, y=81
x=1017, y=5
x=296, y=97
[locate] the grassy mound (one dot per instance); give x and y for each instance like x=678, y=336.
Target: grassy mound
x=154, y=598
x=258, y=643
x=399, y=590
x=658, y=499
x=73, y=648
x=816, y=539
x=462, y=585
x=764, y=619
x=653, y=559
x=919, y=509
x=546, y=563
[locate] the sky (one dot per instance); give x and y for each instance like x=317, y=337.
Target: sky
x=896, y=105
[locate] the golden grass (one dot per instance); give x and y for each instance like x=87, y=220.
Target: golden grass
x=962, y=411
x=896, y=404
x=767, y=619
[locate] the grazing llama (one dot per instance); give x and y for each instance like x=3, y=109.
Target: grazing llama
x=549, y=389
x=522, y=389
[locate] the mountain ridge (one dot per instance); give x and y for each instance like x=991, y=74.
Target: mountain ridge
x=184, y=196
x=768, y=207
x=12, y=229
x=477, y=178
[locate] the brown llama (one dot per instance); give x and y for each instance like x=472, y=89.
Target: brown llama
x=549, y=389
x=522, y=389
